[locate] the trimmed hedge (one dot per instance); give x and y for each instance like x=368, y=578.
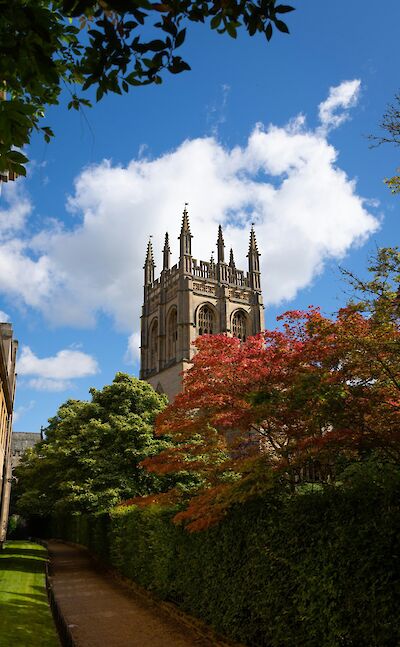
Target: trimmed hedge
x=317, y=569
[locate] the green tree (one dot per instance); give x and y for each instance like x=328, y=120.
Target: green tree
x=108, y=44
x=391, y=125
x=378, y=294
x=90, y=457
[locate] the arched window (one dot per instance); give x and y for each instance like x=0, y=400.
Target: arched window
x=206, y=321
x=239, y=325
x=154, y=345
x=172, y=334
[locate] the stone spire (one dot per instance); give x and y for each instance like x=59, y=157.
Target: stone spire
x=185, y=238
x=220, y=246
x=149, y=265
x=231, y=260
x=254, y=262
x=166, y=253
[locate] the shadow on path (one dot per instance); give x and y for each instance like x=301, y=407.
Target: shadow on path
x=102, y=611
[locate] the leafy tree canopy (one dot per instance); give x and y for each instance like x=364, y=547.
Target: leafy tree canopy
x=378, y=294
x=391, y=125
x=90, y=457
x=109, y=44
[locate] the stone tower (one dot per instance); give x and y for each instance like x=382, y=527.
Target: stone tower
x=194, y=298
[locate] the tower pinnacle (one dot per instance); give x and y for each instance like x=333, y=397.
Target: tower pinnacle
x=149, y=265
x=185, y=239
x=185, y=221
x=220, y=246
x=166, y=253
x=253, y=249
x=254, y=261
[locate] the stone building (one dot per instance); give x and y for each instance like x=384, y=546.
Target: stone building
x=194, y=298
x=8, y=354
x=20, y=442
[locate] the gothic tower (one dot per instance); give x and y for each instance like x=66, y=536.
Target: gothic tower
x=194, y=298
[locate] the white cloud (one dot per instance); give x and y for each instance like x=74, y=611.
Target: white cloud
x=31, y=280
x=286, y=179
x=341, y=97
x=216, y=112
x=133, y=350
x=46, y=384
x=17, y=207
x=20, y=411
x=4, y=317
x=66, y=364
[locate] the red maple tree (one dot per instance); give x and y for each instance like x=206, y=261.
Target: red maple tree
x=281, y=408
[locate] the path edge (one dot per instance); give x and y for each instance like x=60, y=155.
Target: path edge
x=169, y=608
x=62, y=626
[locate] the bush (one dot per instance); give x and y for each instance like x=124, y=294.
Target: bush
x=315, y=569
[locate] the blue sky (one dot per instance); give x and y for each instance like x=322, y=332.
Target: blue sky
x=274, y=133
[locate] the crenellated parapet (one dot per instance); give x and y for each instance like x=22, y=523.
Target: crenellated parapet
x=220, y=272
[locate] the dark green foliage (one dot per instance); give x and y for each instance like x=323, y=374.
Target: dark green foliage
x=37, y=54
x=316, y=569
x=90, y=459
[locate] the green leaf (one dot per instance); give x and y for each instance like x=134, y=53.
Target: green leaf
x=231, y=29
x=19, y=169
x=283, y=8
x=268, y=32
x=48, y=133
x=148, y=62
x=279, y=24
x=180, y=38
x=155, y=45
x=17, y=157
x=99, y=93
x=216, y=21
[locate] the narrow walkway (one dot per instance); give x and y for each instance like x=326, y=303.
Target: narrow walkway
x=102, y=612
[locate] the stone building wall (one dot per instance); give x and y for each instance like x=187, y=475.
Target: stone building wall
x=20, y=442
x=8, y=354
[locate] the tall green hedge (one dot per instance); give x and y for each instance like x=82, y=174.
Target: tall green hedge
x=315, y=569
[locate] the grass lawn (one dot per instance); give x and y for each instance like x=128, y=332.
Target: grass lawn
x=25, y=616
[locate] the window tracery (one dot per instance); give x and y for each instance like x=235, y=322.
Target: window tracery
x=206, y=321
x=239, y=325
x=154, y=346
x=172, y=334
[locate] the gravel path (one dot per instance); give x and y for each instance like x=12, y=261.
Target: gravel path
x=103, y=612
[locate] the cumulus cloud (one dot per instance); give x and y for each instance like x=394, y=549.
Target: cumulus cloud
x=335, y=109
x=46, y=384
x=133, y=350
x=286, y=179
x=17, y=207
x=54, y=373
x=30, y=279
x=20, y=411
x=4, y=317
